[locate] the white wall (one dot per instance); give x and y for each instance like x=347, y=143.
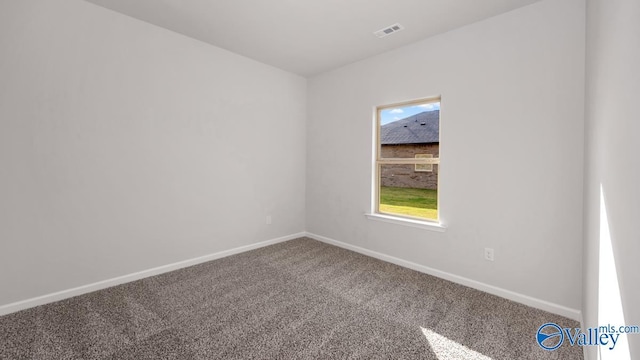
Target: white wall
x=511, y=148
x=124, y=146
x=613, y=165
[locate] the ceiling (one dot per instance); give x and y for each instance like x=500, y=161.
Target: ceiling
x=308, y=37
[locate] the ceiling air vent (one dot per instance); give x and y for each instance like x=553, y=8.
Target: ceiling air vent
x=388, y=30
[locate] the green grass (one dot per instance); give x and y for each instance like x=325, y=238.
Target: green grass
x=420, y=203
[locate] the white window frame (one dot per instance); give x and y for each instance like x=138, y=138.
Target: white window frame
x=378, y=161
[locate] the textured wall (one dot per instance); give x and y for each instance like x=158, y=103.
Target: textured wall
x=511, y=146
x=124, y=146
x=612, y=196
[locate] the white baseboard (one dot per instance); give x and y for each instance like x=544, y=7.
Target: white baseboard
x=65, y=294
x=507, y=294
x=494, y=290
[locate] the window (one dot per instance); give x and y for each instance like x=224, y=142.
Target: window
x=407, y=160
x=424, y=167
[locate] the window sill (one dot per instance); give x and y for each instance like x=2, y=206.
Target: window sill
x=433, y=226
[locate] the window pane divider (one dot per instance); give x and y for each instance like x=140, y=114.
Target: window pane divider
x=408, y=161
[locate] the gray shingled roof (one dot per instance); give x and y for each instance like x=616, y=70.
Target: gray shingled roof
x=422, y=128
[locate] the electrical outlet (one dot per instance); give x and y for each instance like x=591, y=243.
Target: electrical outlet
x=268, y=220
x=488, y=254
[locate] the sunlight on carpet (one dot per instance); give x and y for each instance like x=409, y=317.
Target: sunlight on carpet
x=446, y=349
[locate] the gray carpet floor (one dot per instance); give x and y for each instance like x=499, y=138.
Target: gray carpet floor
x=300, y=299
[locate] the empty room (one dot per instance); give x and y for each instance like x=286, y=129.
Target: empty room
x=437, y=179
